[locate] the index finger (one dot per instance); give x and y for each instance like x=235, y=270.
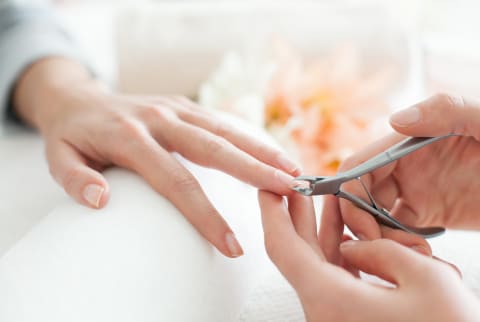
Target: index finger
x=306, y=271
x=168, y=177
x=293, y=256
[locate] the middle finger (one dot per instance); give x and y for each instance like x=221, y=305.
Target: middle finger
x=207, y=149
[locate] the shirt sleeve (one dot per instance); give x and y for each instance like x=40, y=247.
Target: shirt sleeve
x=27, y=34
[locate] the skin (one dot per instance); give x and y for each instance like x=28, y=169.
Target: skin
x=323, y=269
x=434, y=186
x=87, y=128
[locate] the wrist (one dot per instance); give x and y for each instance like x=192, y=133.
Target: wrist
x=42, y=93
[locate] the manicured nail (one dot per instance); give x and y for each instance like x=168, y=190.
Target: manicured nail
x=233, y=246
x=287, y=164
x=93, y=193
x=406, y=117
x=348, y=243
x=421, y=249
x=284, y=178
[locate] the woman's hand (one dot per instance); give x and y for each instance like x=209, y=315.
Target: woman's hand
x=87, y=129
x=425, y=289
x=435, y=186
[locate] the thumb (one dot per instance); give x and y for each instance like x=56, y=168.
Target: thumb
x=385, y=258
x=71, y=171
x=439, y=115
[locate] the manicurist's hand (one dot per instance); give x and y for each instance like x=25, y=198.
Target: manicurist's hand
x=86, y=129
x=435, y=186
x=320, y=269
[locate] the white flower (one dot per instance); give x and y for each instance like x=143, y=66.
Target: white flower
x=238, y=86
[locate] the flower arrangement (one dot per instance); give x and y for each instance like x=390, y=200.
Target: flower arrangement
x=320, y=111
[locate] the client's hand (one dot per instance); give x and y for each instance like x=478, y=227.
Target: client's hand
x=426, y=289
x=434, y=186
x=87, y=129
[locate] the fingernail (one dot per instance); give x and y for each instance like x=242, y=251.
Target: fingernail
x=348, y=243
x=421, y=249
x=406, y=117
x=284, y=178
x=287, y=164
x=233, y=246
x=93, y=193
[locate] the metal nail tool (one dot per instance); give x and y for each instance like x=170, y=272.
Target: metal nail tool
x=323, y=185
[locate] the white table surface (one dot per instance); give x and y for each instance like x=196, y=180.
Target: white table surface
x=27, y=191
x=137, y=259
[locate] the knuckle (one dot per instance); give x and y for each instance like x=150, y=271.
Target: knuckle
x=214, y=146
x=222, y=129
x=127, y=127
x=182, y=181
x=450, y=101
x=156, y=113
x=129, y=138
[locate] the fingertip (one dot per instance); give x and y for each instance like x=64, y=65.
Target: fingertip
x=406, y=118
x=297, y=171
x=88, y=187
x=219, y=234
x=92, y=194
x=427, y=118
x=349, y=244
x=233, y=246
x=370, y=257
x=95, y=192
x=349, y=251
x=285, y=180
x=104, y=197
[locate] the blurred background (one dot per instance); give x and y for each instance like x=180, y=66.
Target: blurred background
x=320, y=76
x=446, y=30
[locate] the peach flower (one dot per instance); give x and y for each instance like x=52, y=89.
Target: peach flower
x=328, y=106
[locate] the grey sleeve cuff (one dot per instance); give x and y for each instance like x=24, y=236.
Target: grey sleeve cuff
x=27, y=35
